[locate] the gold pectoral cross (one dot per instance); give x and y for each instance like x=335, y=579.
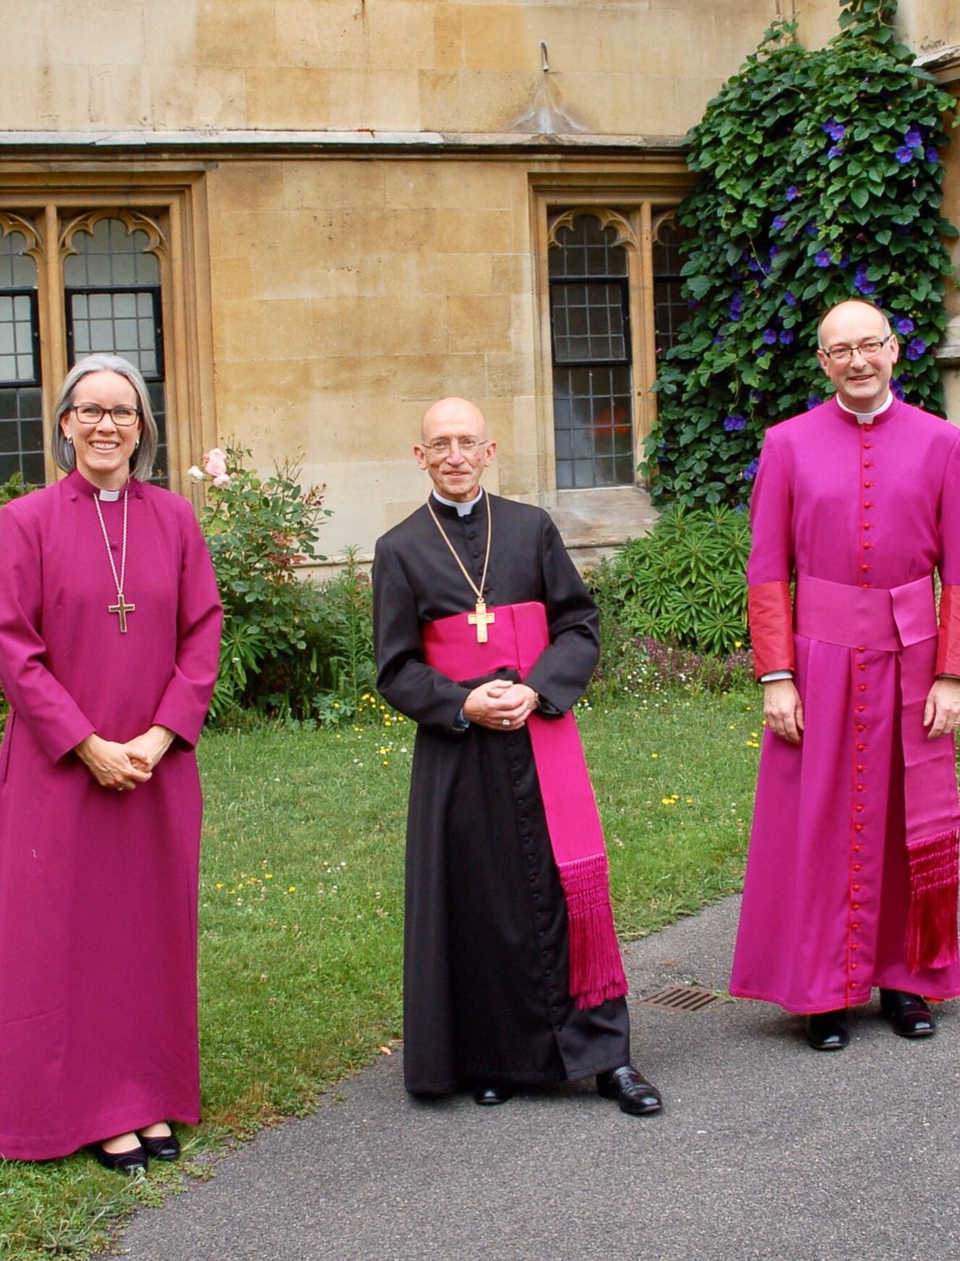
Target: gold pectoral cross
x=121, y=608
x=481, y=620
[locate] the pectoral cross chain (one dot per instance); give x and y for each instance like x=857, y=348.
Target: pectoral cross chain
x=481, y=620
x=121, y=608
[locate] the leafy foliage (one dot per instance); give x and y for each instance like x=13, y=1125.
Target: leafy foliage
x=819, y=180
x=683, y=584
x=260, y=532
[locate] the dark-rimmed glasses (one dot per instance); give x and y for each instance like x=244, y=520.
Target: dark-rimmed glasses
x=93, y=413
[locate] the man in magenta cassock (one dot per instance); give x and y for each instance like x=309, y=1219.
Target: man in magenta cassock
x=852, y=874
x=486, y=636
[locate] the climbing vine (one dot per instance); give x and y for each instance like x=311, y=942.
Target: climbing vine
x=819, y=179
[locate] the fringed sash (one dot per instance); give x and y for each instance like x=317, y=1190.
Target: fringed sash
x=515, y=640
x=903, y=620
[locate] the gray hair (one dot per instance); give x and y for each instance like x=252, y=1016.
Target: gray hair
x=62, y=450
x=887, y=329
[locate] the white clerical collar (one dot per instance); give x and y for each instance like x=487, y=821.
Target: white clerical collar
x=109, y=496
x=867, y=418
x=463, y=510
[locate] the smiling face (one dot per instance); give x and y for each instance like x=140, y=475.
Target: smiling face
x=455, y=474
x=862, y=381
x=102, y=451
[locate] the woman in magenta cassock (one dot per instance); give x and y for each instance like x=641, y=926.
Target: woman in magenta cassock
x=852, y=874
x=109, y=640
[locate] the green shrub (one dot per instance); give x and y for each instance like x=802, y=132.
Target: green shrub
x=820, y=179
x=683, y=584
x=260, y=532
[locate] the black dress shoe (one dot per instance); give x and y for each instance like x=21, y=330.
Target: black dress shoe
x=133, y=1161
x=632, y=1092
x=160, y=1146
x=488, y=1096
x=827, y=1030
x=908, y=1014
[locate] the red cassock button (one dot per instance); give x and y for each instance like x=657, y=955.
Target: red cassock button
x=869, y=485
x=855, y=925
x=861, y=747
x=868, y=505
x=861, y=687
x=858, y=866
x=862, y=666
x=861, y=726
x=853, y=967
x=855, y=906
x=859, y=787
x=857, y=888
x=868, y=525
x=868, y=464
x=858, y=827
x=859, y=806
x=854, y=945
x=864, y=584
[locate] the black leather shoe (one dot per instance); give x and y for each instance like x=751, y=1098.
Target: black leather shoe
x=908, y=1014
x=632, y=1092
x=133, y=1161
x=488, y=1096
x=160, y=1146
x=827, y=1030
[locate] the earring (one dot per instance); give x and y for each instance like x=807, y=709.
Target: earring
x=136, y=444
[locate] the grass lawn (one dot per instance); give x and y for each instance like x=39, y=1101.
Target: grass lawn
x=301, y=909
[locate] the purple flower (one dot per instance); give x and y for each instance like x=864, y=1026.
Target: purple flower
x=835, y=151
x=860, y=281
x=756, y=396
x=736, y=306
x=916, y=347
x=790, y=298
x=903, y=325
x=779, y=223
x=750, y=472
x=896, y=387
x=733, y=423
x=904, y=155
x=811, y=229
x=932, y=155
x=786, y=336
x=913, y=138
x=792, y=193
x=822, y=258
x=835, y=130
x=770, y=336
x=718, y=339
x=773, y=251
x=813, y=401
x=752, y=264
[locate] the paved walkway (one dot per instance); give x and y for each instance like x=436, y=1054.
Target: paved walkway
x=765, y=1150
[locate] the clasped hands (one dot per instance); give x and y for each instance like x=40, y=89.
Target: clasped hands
x=783, y=709
x=123, y=766
x=500, y=705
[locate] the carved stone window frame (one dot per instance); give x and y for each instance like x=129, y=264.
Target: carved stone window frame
x=635, y=204
x=50, y=207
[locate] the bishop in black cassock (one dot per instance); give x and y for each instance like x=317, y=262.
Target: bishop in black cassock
x=487, y=1002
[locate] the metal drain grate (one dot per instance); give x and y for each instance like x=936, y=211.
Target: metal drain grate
x=681, y=998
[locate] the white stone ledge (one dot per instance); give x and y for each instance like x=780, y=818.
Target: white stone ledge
x=286, y=141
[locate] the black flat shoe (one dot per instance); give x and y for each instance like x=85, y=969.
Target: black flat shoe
x=909, y=1015
x=161, y=1146
x=131, y=1162
x=633, y=1093
x=489, y=1096
x=827, y=1030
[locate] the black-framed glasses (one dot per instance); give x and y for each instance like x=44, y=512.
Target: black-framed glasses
x=93, y=413
x=869, y=348
x=466, y=446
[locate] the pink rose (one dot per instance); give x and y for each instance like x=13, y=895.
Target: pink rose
x=222, y=479
x=215, y=463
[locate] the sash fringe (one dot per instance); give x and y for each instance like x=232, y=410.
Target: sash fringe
x=596, y=969
x=932, y=922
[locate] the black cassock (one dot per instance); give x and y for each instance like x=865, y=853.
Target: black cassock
x=485, y=954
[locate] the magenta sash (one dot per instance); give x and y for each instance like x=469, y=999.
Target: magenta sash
x=904, y=620
x=515, y=640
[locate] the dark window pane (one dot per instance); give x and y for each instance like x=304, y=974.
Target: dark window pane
x=670, y=307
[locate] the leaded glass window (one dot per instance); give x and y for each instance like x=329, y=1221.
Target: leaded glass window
x=21, y=405
x=112, y=297
x=670, y=308
x=592, y=375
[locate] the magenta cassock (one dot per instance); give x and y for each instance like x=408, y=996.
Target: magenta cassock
x=827, y=888
x=98, y=889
